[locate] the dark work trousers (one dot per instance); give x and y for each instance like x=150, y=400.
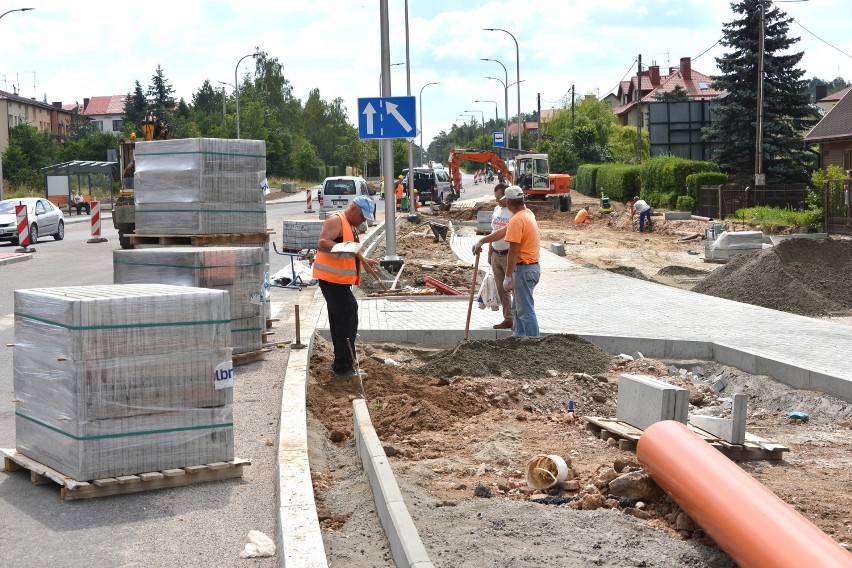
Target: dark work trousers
x=342, y=308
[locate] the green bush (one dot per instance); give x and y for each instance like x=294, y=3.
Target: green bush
x=664, y=178
x=585, y=180
x=685, y=203
x=772, y=218
x=694, y=181
x=618, y=181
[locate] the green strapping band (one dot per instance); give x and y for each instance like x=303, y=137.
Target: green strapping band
x=119, y=326
x=246, y=329
x=204, y=154
x=193, y=267
x=125, y=434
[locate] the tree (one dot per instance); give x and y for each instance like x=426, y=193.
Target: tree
x=786, y=110
x=160, y=95
x=676, y=95
x=29, y=150
x=135, y=106
x=622, y=145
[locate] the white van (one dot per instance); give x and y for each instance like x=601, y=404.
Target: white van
x=338, y=192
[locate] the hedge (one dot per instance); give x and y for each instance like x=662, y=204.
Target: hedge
x=664, y=178
x=694, y=181
x=619, y=181
x=585, y=180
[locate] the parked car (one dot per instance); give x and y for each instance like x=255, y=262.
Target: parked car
x=431, y=184
x=44, y=218
x=338, y=192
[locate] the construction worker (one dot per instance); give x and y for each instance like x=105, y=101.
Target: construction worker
x=644, y=210
x=583, y=217
x=401, y=202
x=382, y=187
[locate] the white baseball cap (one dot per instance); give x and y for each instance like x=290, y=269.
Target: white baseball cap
x=514, y=192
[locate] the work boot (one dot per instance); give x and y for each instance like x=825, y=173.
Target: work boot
x=505, y=324
x=351, y=374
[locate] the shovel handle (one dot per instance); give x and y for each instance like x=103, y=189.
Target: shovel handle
x=472, y=292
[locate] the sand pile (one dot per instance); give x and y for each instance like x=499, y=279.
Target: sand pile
x=800, y=276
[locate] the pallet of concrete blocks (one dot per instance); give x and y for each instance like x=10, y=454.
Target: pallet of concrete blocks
x=300, y=235
x=200, y=186
x=236, y=270
x=123, y=379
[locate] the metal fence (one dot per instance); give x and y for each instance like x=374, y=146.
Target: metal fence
x=838, y=213
x=721, y=201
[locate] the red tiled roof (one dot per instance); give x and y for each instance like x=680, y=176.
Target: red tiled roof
x=528, y=125
x=836, y=124
x=691, y=86
x=112, y=104
x=834, y=97
x=624, y=108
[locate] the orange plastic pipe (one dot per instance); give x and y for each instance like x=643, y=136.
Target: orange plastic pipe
x=749, y=522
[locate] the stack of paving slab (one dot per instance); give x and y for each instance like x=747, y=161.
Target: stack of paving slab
x=200, y=186
x=300, y=235
x=236, y=270
x=728, y=245
x=644, y=400
x=122, y=379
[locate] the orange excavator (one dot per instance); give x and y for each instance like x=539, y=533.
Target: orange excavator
x=531, y=172
x=487, y=157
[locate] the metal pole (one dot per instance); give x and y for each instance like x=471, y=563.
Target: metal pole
x=2, y=196
x=506, y=99
x=412, y=206
x=518, y=71
x=237, y=88
x=420, y=102
x=758, y=146
x=386, y=144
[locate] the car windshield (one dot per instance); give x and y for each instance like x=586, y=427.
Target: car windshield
x=340, y=187
x=7, y=206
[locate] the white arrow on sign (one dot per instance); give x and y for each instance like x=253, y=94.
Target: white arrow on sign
x=395, y=113
x=370, y=113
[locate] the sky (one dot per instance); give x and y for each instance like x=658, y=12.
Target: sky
x=68, y=51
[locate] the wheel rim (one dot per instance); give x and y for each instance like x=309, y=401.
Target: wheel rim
x=61, y=231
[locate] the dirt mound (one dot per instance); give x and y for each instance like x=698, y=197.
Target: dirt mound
x=631, y=271
x=519, y=357
x=800, y=276
x=680, y=271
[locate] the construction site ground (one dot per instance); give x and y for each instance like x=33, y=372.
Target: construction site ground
x=459, y=424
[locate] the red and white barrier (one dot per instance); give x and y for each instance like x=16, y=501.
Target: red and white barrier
x=309, y=205
x=23, y=225
x=96, y=223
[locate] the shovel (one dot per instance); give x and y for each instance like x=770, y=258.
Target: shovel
x=472, y=292
x=369, y=268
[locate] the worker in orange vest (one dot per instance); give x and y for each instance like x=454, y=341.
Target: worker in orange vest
x=583, y=217
x=336, y=273
x=400, y=194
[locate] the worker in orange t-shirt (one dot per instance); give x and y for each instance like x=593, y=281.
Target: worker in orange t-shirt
x=583, y=217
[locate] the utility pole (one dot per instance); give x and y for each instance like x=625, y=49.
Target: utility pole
x=759, y=178
x=639, y=108
x=538, y=104
x=572, y=106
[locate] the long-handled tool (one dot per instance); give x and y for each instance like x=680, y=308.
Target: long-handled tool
x=472, y=292
x=369, y=268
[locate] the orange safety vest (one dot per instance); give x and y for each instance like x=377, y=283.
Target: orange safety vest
x=340, y=268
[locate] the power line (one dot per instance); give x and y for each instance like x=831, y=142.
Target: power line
x=718, y=41
x=628, y=72
x=822, y=40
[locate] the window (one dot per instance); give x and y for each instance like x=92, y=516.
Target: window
x=340, y=187
x=98, y=125
x=116, y=125
x=702, y=85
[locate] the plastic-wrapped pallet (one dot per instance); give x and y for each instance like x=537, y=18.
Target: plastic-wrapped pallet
x=200, y=186
x=123, y=379
x=237, y=270
x=300, y=235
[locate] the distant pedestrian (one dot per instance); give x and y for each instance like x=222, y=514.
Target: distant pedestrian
x=583, y=217
x=522, y=268
x=79, y=203
x=336, y=274
x=399, y=192
x=644, y=210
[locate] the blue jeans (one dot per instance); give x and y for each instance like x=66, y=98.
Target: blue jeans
x=646, y=214
x=524, y=280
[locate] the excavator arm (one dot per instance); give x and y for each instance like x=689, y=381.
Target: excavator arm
x=480, y=156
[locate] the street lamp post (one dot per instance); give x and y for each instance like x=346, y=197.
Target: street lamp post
x=223, y=96
x=505, y=98
x=237, y=88
x=1, y=150
x=518, y=71
x=420, y=100
x=496, y=118
x=482, y=116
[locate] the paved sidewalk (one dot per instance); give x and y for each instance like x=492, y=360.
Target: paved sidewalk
x=623, y=314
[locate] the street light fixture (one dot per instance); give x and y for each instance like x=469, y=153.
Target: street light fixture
x=518, y=71
x=381, y=93
x=496, y=118
x=237, y=88
x=505, y=97
x=1, y=159
x=482, y=115
x=223, y=96
x=420, y=99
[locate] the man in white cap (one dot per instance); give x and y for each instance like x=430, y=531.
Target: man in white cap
x=337, y=273
x=522, y=268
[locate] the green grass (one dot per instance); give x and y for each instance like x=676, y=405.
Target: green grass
x=770, y=217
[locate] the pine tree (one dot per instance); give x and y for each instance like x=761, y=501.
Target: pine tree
x=135, y=106
x=787, y=114
x=160, y=95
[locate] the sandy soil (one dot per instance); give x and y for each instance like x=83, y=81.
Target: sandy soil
x=460, y=425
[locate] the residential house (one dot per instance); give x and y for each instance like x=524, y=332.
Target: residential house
x=106, y=113
x=826, y=102
x=530, y=127
x=15, y=110
x=833, y=134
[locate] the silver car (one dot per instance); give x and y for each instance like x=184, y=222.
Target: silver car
x=43, y=216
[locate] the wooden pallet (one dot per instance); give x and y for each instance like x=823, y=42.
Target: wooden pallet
x=71, y=489
x=249, y=357
x=223, y=239
x=754, y=448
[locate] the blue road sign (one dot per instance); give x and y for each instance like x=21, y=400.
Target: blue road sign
x=387, y=117
x=497, y=139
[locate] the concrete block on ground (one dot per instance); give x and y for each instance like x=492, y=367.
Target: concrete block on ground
x=557, y=249
x=732, y=430
x=643, y=401
x=288, y=187
x=677, y=216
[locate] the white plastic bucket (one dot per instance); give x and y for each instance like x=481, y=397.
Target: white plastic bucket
x=546, y=470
